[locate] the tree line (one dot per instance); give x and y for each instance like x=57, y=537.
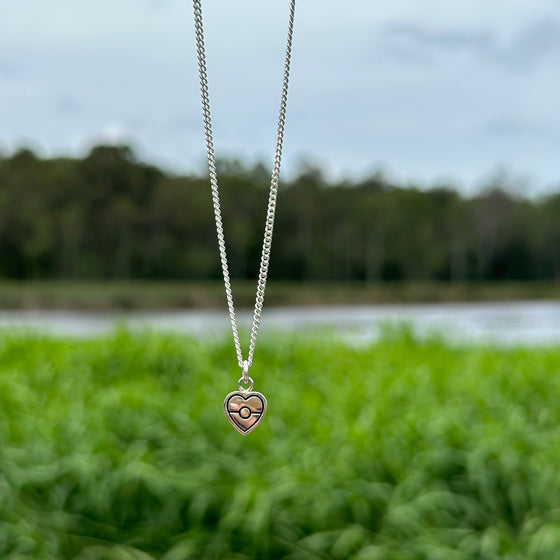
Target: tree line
x=110, y=216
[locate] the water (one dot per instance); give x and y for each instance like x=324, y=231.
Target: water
x=532, y=323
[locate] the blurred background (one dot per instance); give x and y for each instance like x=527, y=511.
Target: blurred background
x=416, y=250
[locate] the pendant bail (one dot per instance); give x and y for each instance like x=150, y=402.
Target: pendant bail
x=245, y=369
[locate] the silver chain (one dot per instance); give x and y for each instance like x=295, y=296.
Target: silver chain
x=272, y=197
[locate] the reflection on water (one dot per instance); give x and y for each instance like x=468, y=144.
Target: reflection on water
x=504, y=323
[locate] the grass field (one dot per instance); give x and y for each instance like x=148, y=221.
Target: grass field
x=99, y=295
x=117, y=448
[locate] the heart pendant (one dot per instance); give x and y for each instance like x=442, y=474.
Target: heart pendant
x=244, y=410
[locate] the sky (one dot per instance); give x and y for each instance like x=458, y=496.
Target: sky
x=428, y=91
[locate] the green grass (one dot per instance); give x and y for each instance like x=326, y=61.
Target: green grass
x=117, y=448
x=99, y=295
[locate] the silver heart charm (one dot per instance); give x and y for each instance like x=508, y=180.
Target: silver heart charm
x=244, y=410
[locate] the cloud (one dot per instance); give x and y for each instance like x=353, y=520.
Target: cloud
x=535, y=42
x=428, y=88
x=7, y=71
x=66, y=104
x=524, y=48
x=517, y=128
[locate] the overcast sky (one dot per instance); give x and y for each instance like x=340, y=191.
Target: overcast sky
x=428, y=90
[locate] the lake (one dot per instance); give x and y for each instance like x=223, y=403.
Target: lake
x=533, y=323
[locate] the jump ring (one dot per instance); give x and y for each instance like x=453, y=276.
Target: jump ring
x=245, y=389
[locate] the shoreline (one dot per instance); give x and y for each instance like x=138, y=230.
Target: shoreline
x=181, y=295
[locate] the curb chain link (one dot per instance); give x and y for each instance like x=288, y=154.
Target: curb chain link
x=272, y=197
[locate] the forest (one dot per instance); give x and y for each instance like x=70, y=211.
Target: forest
x=110, y=216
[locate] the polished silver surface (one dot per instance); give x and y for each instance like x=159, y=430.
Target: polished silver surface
x=245, y=410
x=273, y=193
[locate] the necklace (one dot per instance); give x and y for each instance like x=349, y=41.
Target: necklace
x=244, y=408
